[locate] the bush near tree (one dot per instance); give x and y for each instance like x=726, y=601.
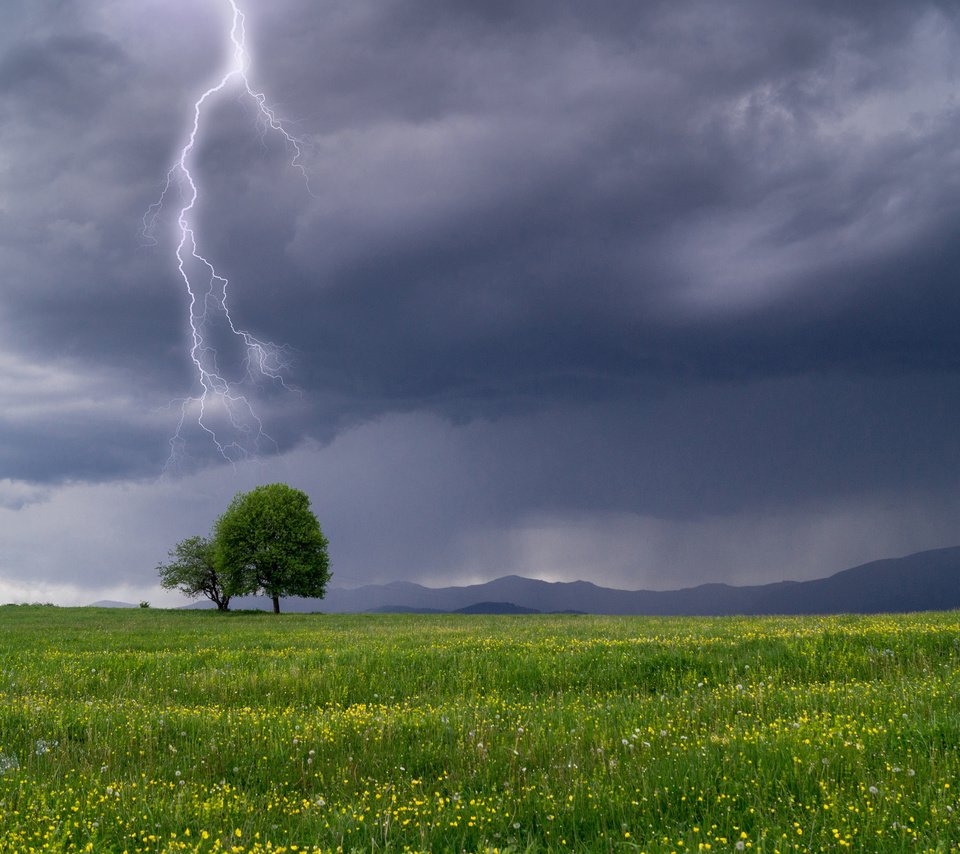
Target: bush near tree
x=269, y=542
x=192, y=571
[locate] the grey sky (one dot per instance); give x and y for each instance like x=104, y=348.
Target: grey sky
x=645, y=293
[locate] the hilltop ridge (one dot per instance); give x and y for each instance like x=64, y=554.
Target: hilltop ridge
x=928, y=580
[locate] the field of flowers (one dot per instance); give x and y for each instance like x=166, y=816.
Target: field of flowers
x=151, y=730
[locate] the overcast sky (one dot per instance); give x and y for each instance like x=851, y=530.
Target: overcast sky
x=643, y=293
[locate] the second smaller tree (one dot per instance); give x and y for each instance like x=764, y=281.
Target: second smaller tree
x=193, y=572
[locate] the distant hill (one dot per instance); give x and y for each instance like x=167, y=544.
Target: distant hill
x=496, y=608
x=111, y=603
x=924, y=581
x=476, y=608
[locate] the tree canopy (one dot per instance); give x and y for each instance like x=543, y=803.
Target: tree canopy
x=269, y=541
x=193, y=572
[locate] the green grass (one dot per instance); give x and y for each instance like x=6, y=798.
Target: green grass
x=151, y=730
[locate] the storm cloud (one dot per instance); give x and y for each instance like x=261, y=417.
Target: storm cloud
x=570, y=292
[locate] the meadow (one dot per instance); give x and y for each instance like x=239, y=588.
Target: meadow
x=150, y=730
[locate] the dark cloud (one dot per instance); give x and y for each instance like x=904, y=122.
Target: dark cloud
x=675, y=260
x=61, y=78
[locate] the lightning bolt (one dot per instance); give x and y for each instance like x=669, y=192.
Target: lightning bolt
x=221, y=408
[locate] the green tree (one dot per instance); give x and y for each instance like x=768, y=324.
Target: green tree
x=193, y=572
x=269, y=541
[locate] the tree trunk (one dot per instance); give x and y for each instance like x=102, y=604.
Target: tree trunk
x=276, y=604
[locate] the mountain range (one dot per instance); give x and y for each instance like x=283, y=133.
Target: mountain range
x=928, y=580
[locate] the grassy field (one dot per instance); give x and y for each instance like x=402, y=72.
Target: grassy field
x=153, y=730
